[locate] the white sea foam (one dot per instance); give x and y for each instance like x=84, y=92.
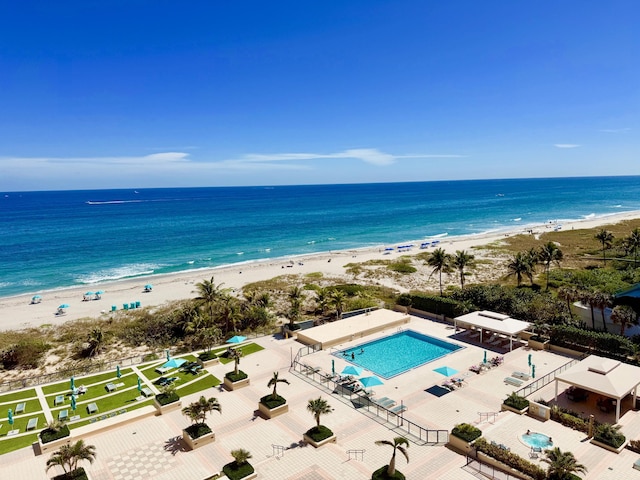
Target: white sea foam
x=118, y=273
x=587, y=217
x=191, y=262
x=517, y=219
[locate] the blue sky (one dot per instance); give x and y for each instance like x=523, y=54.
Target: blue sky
x=137, y=93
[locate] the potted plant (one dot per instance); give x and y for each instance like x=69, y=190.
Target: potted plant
x=462, y=437
x=562, y=465
x=610, y=437
x=273, y=404
x=389, y=472
x=319, y=435
x=240, y=468
x=53, y=436
x=516, y=403
x=68, y=457
x=236, y=379
x=167, y=400
x=199, y=433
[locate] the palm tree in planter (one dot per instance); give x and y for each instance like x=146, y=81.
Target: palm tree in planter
x=318, y=406
x=68, y=457
x=562, y=465
x=237, y=375
x=240, y=467
x=167, y=396
x=56, y=429
x=274, y=400
x=389, y=471
x=197, y=412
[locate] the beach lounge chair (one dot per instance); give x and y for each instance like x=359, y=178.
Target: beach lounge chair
x=147, y=392
x=162, y=370
x=636, y=464
x=513, y=381
x=20, y=408
x=32, y=424
x=125, y=306
x=110, y=387
x=92, y=408
x=399, y=409
x=63, y=415
x=520, y=375
x=59, y=400
x=114, y=308
x=385, y=402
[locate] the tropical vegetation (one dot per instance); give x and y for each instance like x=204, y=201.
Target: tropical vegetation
x=240, y=467
x=466, y=432
x=197, y=412
x=318, y=407
x=398, y=444
x=69, y=456
x=562, y=465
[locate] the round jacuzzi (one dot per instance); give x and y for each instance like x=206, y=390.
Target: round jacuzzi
x=537, y=440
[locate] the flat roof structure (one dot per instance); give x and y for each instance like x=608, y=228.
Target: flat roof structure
x=605, y=376
x=494, y=322
x=349, y=329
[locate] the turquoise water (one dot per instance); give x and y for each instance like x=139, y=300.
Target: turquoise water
x=539, y=440
x=54, y=240
x=382, y=358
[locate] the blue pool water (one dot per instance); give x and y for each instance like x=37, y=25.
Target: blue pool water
x=398, y=353
x=539, y=440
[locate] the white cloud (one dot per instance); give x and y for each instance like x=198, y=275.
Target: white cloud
x=566, y=145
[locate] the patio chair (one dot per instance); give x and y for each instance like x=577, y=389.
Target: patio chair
x=32, y=424
x=513, y=381
x=520, y=375
x=110, y=387
x=92, y=408
x=63, y=415
x=399, y=409
x=20, y=408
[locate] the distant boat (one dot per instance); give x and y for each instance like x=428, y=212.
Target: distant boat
x=500, y=195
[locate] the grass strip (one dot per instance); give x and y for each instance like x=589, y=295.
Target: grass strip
x=208, y=381
x=247, y=349
x=19, y=395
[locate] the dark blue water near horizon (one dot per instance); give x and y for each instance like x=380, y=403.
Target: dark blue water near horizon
x=63, y=239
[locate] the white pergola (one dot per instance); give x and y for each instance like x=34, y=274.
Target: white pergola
x=605, y=376
x=494, y=322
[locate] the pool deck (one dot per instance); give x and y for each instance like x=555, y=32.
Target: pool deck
x=152, y=447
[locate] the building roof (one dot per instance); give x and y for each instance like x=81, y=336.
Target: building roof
x=601, y=375
x=496, y=322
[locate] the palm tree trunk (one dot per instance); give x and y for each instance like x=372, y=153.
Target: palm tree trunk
x=392, y=464
x=604, y=323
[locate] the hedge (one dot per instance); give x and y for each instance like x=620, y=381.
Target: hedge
x=433, y=304
x=510, y=459
x=605, y=343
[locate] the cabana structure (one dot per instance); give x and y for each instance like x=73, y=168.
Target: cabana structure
x=493, y=322
x=605, y=376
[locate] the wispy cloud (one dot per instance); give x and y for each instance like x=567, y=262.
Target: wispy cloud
x=566, y=145
x=615, y=130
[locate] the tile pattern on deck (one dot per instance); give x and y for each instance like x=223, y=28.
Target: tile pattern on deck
x=143, y=462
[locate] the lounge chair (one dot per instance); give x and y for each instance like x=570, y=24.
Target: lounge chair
x=63, y=415
x=636, y=464
x=20, y=408
x=513, y=381
x=92, y=408
x=496, y=342
x=399, y=409
x=521, y=375
x=110, y=387
x=147, y=392
x=385, y=402
x=162, y=370
x=32, y=424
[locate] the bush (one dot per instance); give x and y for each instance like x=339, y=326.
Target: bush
x=381, y=474
x=236, y=472
x=317, y=434
x=634, y=446
x=167, y=398
x=570, y=419
x=236, y=378
x=77, y=474
x=48, y=435
x=204, y=356
x=516, y=401
x=511, y=459
x=402, y=267
x=271, y=403
x=197, y=430
x=466, y=432
x=609, y=435
x=433, y=304
x=606, y=344
x=26, y=353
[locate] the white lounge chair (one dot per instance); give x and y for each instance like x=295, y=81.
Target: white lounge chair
x=513, y=381
x=521, y=375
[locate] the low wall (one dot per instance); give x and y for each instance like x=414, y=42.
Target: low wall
x=113, y=422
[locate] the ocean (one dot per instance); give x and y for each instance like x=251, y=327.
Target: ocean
x=62, y=239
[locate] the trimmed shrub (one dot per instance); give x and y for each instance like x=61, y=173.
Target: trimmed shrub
x=605, y=344
x=381, y=474
x=466, y=432
x=511, y=459
x=317, y=434
x=198, y=430
x=433, y=304
x=167, y=398
x=516, y=401
x=271, y=403
x=204, y=356
x=236, y=378
x=48, y=435
x=609, y=434
x=235, y=471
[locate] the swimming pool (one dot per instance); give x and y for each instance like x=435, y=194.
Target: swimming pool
x=538, y=440
x=395, y=354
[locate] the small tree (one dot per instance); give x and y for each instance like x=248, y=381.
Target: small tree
x=440, y=261
x=274, y=383
x=562, y=465
x=68, y=456
x=624, y=316
x=319, y=406
x=198, y=411
x=549, y=253
x=398, y=445
x=235, y=354
x=606, y=239
x=460, y=261
x=241, y=456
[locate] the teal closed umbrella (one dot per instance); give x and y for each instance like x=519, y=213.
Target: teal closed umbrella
x=529, y=359
x=73, y=403
x=139, y=384
x=333, y=367
x=72, y=383
x=118, y=374
x=168, y=355
x=485, y=357
x=10, y=417
x=533, y=371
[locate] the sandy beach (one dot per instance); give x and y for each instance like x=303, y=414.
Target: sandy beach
x=18, y=312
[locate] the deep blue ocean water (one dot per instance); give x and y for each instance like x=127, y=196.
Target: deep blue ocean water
x=62, y=239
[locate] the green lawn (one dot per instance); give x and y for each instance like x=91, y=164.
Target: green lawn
x=247, y=349
x=19, y=395
x=20, y=422
x=65, y=386
x=129, y=406
x=10, y=444
x=151, y=374
x=207, y=381
x=30, y=407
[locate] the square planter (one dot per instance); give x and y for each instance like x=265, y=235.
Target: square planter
x=515, y=410
x=54, y=445
x=198, y=442
x=229, y=385
x=208, y=363
x=169, y=407
x=272, y=412
x=310, y=441
x=460, y=445
x=609, y=447
x=537, y=345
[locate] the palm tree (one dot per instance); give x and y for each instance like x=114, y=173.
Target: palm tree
x=602, y=300
x=235, y=354
x=634, y=244
x=569, y=295
x=338, y=299
x=589, y=299
x=562, y=465
x=198, y=411
x=68, y=456
x=606, y=239
x=624, y=316
x=241, y=456
x=398, y=446
x=460, y=261
x=296, y=297
x=229, y=311
x=549, y=253
x=518, y=266
x=208, y=294
x=440, y=261
x=274, y=383
x=319, y=406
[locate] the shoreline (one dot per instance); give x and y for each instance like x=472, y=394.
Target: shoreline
x=19, y=313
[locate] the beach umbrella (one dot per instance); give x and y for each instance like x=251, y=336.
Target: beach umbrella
x=529, y=359
x=333, y=367
x=73, y=403
x=64, y=305
x=168, y=354
x=139, y=384
x=371, y=381
x=36, y=297
x=485, y=357
x=72, y=383
x=533, y=371
x=446, y=371
x=351, y=370
x=118, y=374
x=88, y=293
x=10, y=417
x=148, y=287
x=236, y=339
x=174, y=363
x=99, y=292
